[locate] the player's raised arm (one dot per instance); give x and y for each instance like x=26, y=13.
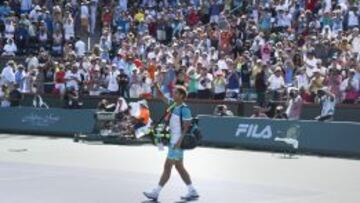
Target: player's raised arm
x=160, y=95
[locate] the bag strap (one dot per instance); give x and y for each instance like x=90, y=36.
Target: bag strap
x=168, y=110
x=161, y=119
x=181, y=117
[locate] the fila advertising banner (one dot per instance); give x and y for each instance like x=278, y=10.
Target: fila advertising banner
x=330, y=138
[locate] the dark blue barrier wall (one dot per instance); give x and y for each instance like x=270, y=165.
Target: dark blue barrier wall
x=46, y=121
x=335, y=138
x=310, y=111
x=157, y=107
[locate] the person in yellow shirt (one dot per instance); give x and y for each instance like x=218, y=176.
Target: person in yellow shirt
x=139, y=16
x=257, y=68
x=317, y=82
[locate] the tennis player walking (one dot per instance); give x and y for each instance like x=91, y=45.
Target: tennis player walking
x=175, y=153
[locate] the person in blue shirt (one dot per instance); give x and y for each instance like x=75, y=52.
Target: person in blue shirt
x=4, y=10
x=214, y=10
x=20, y=76
x=22, y=38
x=48, y=22
x=177, y=110
x=234, y=82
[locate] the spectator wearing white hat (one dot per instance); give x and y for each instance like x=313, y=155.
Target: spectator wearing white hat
x=95, y=80
x=32, y=61
x=135, y=84
x=327, y=101
x=222, y=64
x=350, y=88
x=73, y=78
x=219, y=84
x=9, y=28
x=310, y=63
x=35, y=14
x=10, y=48
x=319, y=66
x=112, y=80
x=69, y=27
x=145, y=86
x=276, y=84
x=294, y=104
x=80, y=48
x=355, y=41
x=8, y=74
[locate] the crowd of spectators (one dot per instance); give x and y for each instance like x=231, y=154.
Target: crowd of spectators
x=218, y=49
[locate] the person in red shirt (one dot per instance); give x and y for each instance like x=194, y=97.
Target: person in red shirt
x=106, y=17
x=311, y=4
x=306, y=96
x=225, y=38
x=193, y=18
x=152, y=69
x=59, y=80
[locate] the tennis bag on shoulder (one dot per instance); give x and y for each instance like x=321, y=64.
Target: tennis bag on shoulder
x=193, y=136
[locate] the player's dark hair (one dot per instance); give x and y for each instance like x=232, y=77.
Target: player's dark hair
x=182, y=90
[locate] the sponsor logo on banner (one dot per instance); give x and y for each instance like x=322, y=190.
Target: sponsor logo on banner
x=254, y=131
x=291, y=137
x=40, y=120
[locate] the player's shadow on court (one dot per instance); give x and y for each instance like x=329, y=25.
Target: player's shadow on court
x=150, y=201
x=153, y=201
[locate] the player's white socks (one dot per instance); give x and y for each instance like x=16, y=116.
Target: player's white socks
x=191, y=188
x=158, y=189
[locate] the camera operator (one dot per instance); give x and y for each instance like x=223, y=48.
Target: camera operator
x=222, y=110
x=105, y=106
x=294, y=104
x=327, y=101
x=258, y=112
